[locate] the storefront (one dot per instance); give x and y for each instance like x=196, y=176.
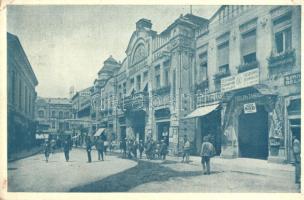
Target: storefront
x=208, y=120
x=162, y=120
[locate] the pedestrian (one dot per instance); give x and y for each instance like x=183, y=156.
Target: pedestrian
x=149, y=149
x=140, y=148
x=124, y=147
x=53, y=145
x=100, y=148
x=106, y=145
x=163, y=149
x=47, y=149
x=296, y=147
x=121, y=146
x=186, y=149
x=207, y=152
x=89, y=148
x=66, y=149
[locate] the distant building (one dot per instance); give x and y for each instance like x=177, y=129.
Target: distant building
x=52, y=115
x=21, y=83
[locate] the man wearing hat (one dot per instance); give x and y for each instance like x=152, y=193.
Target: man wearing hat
x=207, y=152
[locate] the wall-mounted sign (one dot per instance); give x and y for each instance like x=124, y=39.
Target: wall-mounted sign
x=249, y=108
x=241, y=80
x=210, y=98
x=292, y=79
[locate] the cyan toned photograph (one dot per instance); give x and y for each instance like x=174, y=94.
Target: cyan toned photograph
x=153, y=98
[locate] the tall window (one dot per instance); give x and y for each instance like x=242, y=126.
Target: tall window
x=138, y=83
x=223, y=57
x=248, y=46
x=20, y=95
x=40, y=113
x=282, y=34
x=174, y=82
x=66, y=115
x=53, y=114
x=60, y=114
x=157, y=76
x=25, y=99
x=124, y=88
x=203, y=64
x=53, y=124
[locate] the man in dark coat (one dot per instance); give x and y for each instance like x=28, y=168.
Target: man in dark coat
x=47, y=150
x=89, y=148
x=163, y=149
x=66, y=149
x=124, y=147
x=207, y=152
x=100, y=148
x=141, y=148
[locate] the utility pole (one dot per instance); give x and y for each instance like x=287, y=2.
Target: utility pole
x=191, y=9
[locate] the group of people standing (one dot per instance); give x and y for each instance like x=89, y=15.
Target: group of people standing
x=50, y=146
x=153, y=150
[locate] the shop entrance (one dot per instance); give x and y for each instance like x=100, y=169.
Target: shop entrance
x=211, y=127
x=163, y=131
x=253, y=134
x=138, y=124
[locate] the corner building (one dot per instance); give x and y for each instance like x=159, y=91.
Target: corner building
x=235, y=77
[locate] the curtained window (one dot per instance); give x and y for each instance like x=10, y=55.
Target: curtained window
x=282, y=34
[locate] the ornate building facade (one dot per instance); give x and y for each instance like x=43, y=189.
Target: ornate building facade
x=21, y=83
x=211, y=78
x=53, y=115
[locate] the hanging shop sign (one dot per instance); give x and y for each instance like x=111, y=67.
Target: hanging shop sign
x=249, y=108
x=209, y=98
x=241, y=80
x=292, y=79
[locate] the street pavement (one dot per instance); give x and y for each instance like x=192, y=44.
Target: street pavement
x=115, y=174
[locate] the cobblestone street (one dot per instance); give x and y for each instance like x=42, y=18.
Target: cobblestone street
x=122, y=175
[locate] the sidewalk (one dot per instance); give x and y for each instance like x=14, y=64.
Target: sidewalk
x=24, y=153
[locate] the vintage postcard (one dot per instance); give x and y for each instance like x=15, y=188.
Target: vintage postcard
x=140, y=99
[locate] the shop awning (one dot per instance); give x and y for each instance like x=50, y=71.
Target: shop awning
x=99, y=132
x=201, y=111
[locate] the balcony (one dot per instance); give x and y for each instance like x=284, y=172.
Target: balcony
x=283, y=59
x=138, y=101
x=247, y=66
x=162, y=91
x=222, y=74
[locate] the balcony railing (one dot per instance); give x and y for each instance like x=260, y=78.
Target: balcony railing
x=221, y=74
x=247, y=66
x=136, y=101
x=162, y=90
x=282, y=59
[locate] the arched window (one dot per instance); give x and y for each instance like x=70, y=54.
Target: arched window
x=139, y=53
x=53, y=114
x=60, y=114
x=41, y=113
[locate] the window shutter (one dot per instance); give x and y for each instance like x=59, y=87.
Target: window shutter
x=223, y=54
x=248, y=43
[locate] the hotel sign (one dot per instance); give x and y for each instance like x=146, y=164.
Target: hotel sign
x=241, y=80
x=292, y=79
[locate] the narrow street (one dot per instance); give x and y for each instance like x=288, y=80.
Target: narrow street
x=122, y=175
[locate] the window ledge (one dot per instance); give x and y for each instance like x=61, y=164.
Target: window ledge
x=282, y=59
x=247, y=66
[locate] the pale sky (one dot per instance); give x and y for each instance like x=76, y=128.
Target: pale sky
x=66, y=45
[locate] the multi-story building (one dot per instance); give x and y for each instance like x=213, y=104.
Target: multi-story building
x=21, y=83
x=234, y=78
x=248, y=71
x=81, y=111
x=53, y=115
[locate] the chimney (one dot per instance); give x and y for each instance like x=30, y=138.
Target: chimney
x=143, y=24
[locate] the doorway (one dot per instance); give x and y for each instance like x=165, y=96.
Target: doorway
x=211, y=127
x=163, y=131
x=253, y=134
x=138, y=124
x=123, y=133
